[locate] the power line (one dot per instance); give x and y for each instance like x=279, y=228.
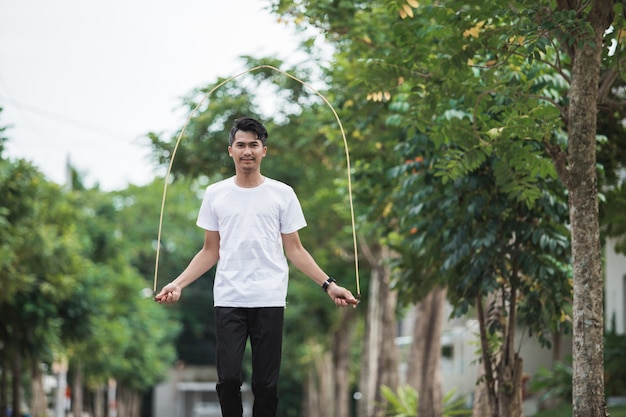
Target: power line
x=31, y=125
x=67, y=120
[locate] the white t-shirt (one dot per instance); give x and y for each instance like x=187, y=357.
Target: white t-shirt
x=252, y=269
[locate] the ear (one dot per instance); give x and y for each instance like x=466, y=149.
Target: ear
x=230, y=148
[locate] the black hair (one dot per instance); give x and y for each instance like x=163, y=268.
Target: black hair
x=248, y=124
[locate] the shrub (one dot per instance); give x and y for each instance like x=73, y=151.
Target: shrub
x=404, y=403
x=614, y=364
x=555, y=382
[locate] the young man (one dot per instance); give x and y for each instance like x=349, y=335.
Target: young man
x=251, y=222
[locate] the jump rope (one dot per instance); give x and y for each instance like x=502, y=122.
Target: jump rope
x=345, y=143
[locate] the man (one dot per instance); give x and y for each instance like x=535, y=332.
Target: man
x=251, y=222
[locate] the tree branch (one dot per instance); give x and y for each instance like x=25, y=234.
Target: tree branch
x=607, y=80
x=368, y=254
x=612, y=105
x=512, y=318
x=484, y=348
x=559, y=157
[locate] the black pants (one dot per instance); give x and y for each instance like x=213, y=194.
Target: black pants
x=264, y=327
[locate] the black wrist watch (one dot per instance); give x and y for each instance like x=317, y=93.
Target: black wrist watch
x=327, y=283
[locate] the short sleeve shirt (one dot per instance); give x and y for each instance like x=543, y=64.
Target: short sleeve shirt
x=252, y=269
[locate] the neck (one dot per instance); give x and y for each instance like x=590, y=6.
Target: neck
x=250, y=180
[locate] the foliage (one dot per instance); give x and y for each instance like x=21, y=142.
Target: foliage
x=473, y=237
x=555, y=382
x=615, y=363
x=180, y=239
x=612, y=215
x=69, y=290
x=132, y=337
x=40, y=266
x=403, y=403
x=419, y=92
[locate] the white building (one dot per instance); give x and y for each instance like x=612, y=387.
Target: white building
x=615, y=288
x=460, y=349
x=189, y=391
x=460, y=342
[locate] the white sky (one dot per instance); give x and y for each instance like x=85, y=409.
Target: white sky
x=87, y=79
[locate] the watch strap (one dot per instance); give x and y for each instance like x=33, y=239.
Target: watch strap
x=327, y=283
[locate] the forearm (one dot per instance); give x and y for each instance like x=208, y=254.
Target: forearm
x=199, y=264
x=303, y=260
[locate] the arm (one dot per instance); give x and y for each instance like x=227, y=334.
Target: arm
x=204, y=260
x=302, y=259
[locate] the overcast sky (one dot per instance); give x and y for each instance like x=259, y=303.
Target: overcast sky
x=88, y=79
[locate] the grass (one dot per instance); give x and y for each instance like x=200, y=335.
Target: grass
x=566, y=411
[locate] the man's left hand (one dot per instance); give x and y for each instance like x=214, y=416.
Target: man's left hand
x=341, y=296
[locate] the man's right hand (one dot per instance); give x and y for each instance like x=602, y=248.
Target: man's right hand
x=169, y=294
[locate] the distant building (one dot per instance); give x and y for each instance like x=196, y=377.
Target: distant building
x=615, y=288
x=190, y=391
x=459, y=353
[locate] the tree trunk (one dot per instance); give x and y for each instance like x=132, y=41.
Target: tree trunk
x=588, y=344
x=77, y=403
x=501, y=394
x=380, y=355
x=489, y=403
x=510, y=369
x=326, y=383
x=369, y=356
x=39, y=403
x=310, y=397
x=98, y=402
x=123, y=405
x=319, y=386
x=388, y=373
x=387, y=352
x=17, y=382
x=342, y=341
x=136, y=404
x=482, y=405
x=4, y=397
x=128, y=402
x=510, y=388
x=424, y=362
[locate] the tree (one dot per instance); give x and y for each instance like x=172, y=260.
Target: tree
x=350, y=28
x=58, y=249
x=179, y=239
x=435, y=52
x=580, y=31
x=482, y=245
x=40, y=271
x=132, y=337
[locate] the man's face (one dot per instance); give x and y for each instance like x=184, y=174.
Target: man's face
x=247, y=151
